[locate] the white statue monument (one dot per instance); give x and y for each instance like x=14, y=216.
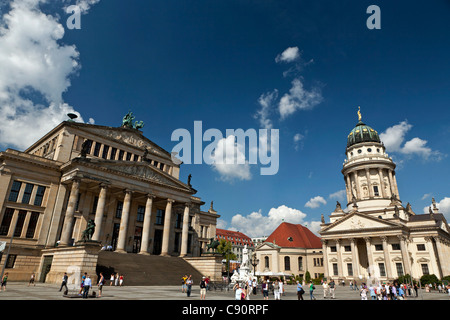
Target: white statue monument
x=244, y=273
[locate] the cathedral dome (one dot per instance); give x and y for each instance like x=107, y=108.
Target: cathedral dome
x=362, y=133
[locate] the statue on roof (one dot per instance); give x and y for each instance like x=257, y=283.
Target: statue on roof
x=127, y=120
x=359, y=113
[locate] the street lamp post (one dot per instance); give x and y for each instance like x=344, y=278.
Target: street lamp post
x=255, y=262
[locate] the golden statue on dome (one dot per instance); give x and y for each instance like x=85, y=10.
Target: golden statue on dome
x=359, y=113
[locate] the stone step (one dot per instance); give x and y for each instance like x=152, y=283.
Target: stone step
x=145, y=270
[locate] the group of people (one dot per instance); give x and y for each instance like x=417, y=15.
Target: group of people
x=86, y=283
x=187, y=283
x=387, y=291
x=246, y=289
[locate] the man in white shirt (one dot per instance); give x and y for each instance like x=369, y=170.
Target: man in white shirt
x=87, y=286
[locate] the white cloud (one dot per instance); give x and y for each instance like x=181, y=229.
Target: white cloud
x=229, y=160
x=288, y=55
x=426, y=195
x=256, y=224
x=298, y=141
x=315, y=202
x=393, y=138
x=35, y=72
x=299, y=98
x=266, y=101
x=443, y=206
x=339, y=195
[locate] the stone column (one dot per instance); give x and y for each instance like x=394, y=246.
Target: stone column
x=66, y=235
x=185, y=231
x=434, y=261
x=358, y=187
x=391, y=184
x=338, y=249
x=147, y=224
x=369, y=185
x=121, y=241
x=387, y=261
x=166, y=230
x=369, y=254
x=383, y=192
x=405, y=255
x=349, y=188
x=355, y=259
x=325, y=257
x=440, y=256
x=99, y=212
x=395, y=185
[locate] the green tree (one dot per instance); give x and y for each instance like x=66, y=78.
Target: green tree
x=307, y=277
x=429, y=279
x=224, y=248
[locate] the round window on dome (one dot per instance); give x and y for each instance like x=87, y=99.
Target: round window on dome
x=369, y=150
x=378, y=150
x=359, y=151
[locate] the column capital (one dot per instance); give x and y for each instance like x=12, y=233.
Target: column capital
x=324, y=241
x=367, y=240
x=170, y=200
x=150, y=196
x=104, y=185
x=128, y=191
x=384, y=239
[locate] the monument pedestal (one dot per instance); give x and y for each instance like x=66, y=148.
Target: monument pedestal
x=74, y=260
x=208, y=264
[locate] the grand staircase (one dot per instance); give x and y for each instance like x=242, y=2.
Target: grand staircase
x=145, y=270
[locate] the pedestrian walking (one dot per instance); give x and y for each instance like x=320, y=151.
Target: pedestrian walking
x=32, y=279
x=276, y=290
x=83, y=278
x=183, y=284
x=4, y=281
x=281, y=288
x=111, y=279
x=325, y=289
x=265, y=290
x=202, y=289
x=311, y=291
x=87, y=285
x=117, y=280
x=121, y=280
x=332, y=287
x=189, y=286
x=239, y=292
x=300, y=291
x=363, y=292
x=101, y=282
x=64, y=282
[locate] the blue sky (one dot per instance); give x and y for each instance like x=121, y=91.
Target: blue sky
x=175, y=62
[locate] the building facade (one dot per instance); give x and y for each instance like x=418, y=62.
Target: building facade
x=238, y=241
x=112, y=176
x=377, y=236
x=291, y=249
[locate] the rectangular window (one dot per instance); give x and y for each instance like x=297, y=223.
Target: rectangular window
x=350, y=269
x=6, y=222
x=399, y=267
x=179, y=221
x=113, y=154
x=32, y=225
x=105, y=152
x=421, y=247
x=335, y=269
x=347, y=248
x=27, y=193
x=121, y=153
x=375, y=191
x=14, y=191
x=333, y=249
x=396, y=246
x=97, y=149
x=128, y=156
x=425, y=269
x=20, y=221
x=119, y=209
x=378, y=247
x=11, y=261
x=140, y=213
x=39, y=196
x=160, y=217
x=88, y=146
x=94, y=206
x=382, y=270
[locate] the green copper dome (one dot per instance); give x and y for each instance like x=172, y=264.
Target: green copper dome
x=362, y=133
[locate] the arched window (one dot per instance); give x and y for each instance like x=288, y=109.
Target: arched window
x=300, y=263
x=287, y=263
x=266, y=262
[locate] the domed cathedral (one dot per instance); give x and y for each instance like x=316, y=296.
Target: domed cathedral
x=377, y=237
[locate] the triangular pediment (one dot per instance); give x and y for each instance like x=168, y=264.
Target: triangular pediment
x=138, y=170
x=127, y=136
x=267, y=246
x=358, y=221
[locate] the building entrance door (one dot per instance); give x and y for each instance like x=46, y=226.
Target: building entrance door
x=137, y=239
x=157, y=244
x=46, y=266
